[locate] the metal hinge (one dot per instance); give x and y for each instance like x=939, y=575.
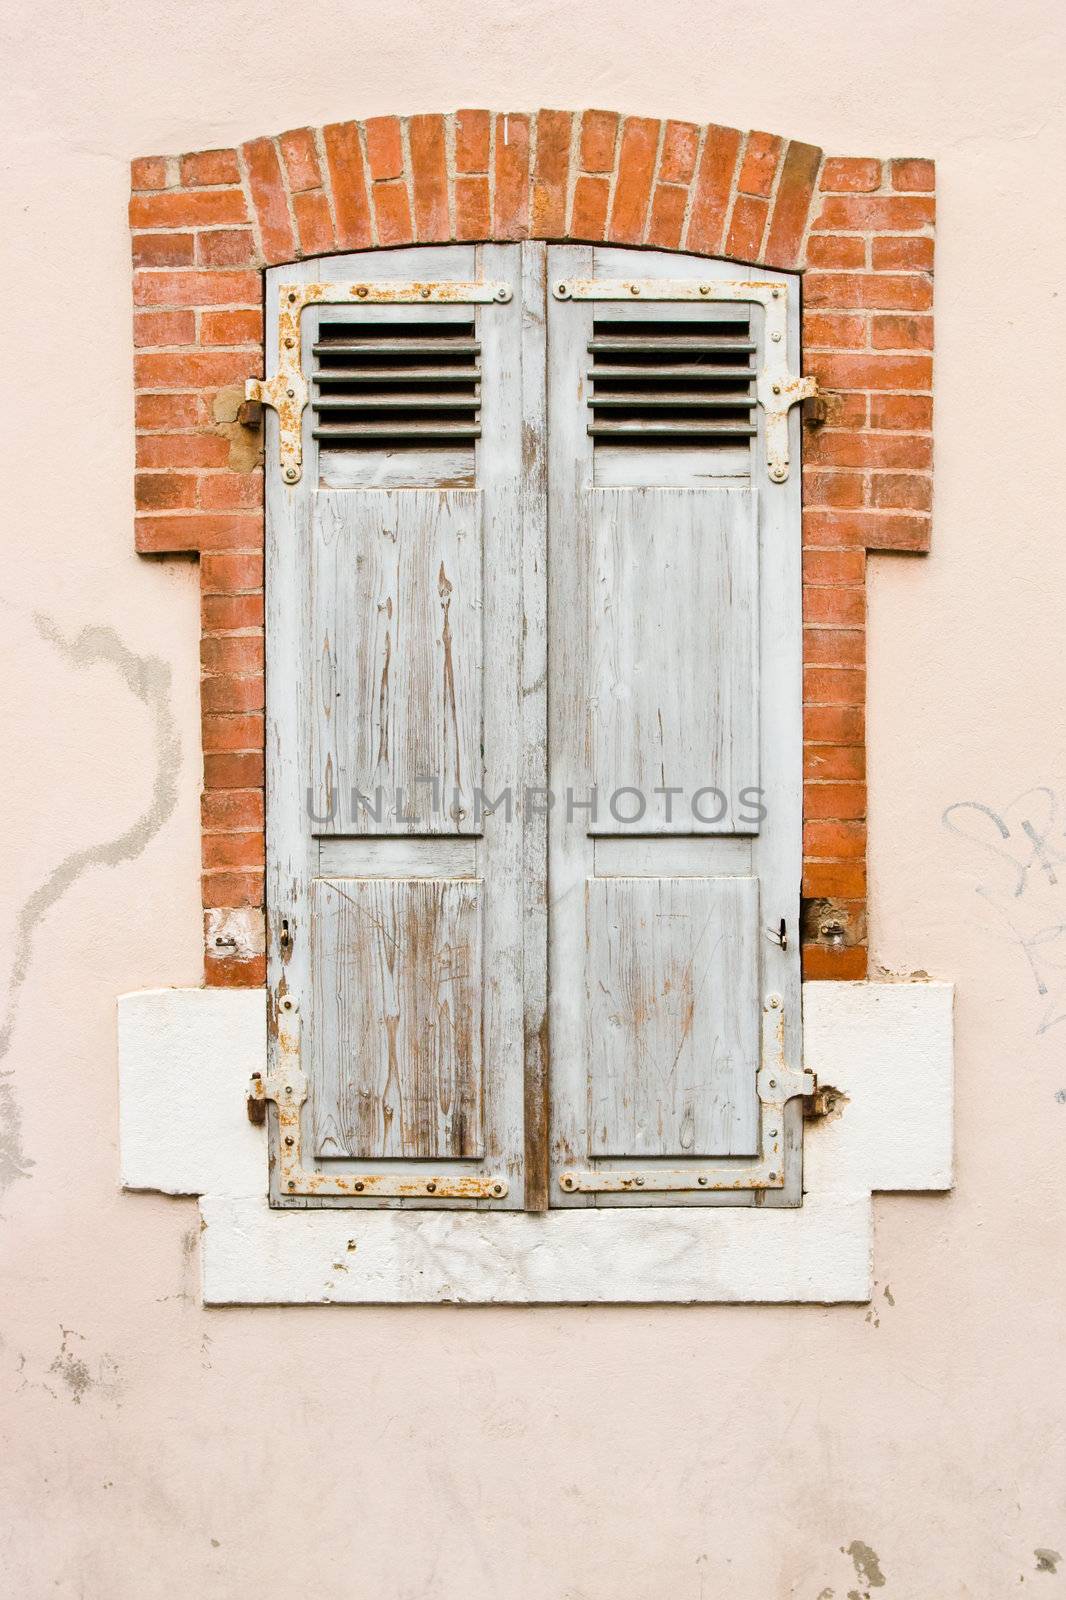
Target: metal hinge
x=777, y=389
x=287, y=390
x=286, y=1089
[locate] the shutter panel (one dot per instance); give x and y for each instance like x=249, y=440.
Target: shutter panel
x=675, y=666
x=395, y=585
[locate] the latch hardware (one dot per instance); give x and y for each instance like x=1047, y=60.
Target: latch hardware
x=775, y=1083
x=286, y=1087
x=776, y=388
x=287, y=390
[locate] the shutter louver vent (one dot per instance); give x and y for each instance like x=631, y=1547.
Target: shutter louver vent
x=394, y=385
x=687, y=381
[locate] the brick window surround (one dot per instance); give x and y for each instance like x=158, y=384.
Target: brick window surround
x=204, y=226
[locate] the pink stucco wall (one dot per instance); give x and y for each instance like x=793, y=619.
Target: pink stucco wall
x=154, y=1448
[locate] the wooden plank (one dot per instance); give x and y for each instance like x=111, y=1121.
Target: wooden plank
x=396, y=653
x=706, y=857
x=397, y=858
x=396, y=1059
x=674, y=669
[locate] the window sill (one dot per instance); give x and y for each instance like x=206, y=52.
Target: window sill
x=185, y=1057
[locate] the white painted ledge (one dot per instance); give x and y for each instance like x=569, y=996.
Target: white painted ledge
x=185, y=1056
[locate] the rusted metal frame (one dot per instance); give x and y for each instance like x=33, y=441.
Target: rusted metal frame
x=777, y=389
x=286, y=1086
x=287, y=389
x=775, y=1084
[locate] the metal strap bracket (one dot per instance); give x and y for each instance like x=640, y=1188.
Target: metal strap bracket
x=776, y=1083
x=286, y=1087
x=287, y=390
x=776, y=388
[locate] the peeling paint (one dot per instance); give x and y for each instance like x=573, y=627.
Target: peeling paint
x=148, y=678
x=867, y=1566
x=1047, y=1560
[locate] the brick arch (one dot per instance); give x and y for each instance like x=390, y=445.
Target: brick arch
x=206, y=223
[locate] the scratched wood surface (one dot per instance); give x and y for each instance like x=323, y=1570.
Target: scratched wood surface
x=396, y=653
x=397, y=997
x=673, y=1035
x=674, y=668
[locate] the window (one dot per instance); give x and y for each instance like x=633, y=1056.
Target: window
x=534, y=730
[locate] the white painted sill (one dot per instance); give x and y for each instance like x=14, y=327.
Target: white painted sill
x=185, y=1057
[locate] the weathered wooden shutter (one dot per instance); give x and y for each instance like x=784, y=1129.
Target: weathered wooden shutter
x=675, y=695
x=533, y=699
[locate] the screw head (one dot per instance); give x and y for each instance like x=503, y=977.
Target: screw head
x=497, y=1188
x=360, y=291
x=773, y=1083
x=289, y=342
x=776, y=337
x=292, y=299
x=772, y=1177
x=289, y=1140
x=776, y=293
x=358, y=1186
x=291, y=474
x=702, y=1181
x=431, y=1188
x=639, y=1182
x=425, y=294
x=634, y=288
x=776, y=388
x=291, y=1184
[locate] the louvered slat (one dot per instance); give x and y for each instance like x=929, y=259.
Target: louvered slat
x=671, y=380
x=396, y=384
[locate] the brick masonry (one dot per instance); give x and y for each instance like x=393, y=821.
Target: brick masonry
x=205, y=224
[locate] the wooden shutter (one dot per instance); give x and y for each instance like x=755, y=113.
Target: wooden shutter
x=675, y=667
x=397, y=579
x=534, y=729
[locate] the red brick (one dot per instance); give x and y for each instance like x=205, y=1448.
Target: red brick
x=229, y=890
x=859, y=371
x=188, y=369
x=187, y=208
x=165, y=535
x=833, y=566
x=845, y=411
x=226, y=247
x=833, y=604
x=599, y=133
x=759, y=166
x=832, y=448
x=714, y=185
x=157, y=328
x=235, y=973
x=392, y=213
x=230, y=530
x=511, y=220
x=231, y=810
x=844, y=489
x=198, y=530
x=148, y=172
x=232, y=849
x=901, y=411
x=196, y=288
x=792, y=204
x=845, y=763
x=429, y=178
x=677, y=161
x=165, y=491
x=876, y=529
x=345, y=161
x=548, y=219
x=231, y=491
x=313, y=222
x=667, y=216
x=836, y=880
x=300, y=155
x=834, y=841
x=182, y=450
x=875, y=291
x=632, y=190
x=223, y=612
x=231, y=327
x=268, y=197
x=833, y=331
x=834, y=963
x=210, y=167
x=163, y=249
x=901, y=333
x=233, y=769
x=836, y=250
x=914, y=176
x=892, y=253
x=231, y=573
x=851, y=175
x=232, y=692
x=746, y=227
x=845, y=686
x=384, y=147
x=882, y=213
x=588, y=218
x=471, y=141
x=169, y=410
x=472, y=217
x=901, y=491
x=834, y=647
x=834, y=724
x=222, y=732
